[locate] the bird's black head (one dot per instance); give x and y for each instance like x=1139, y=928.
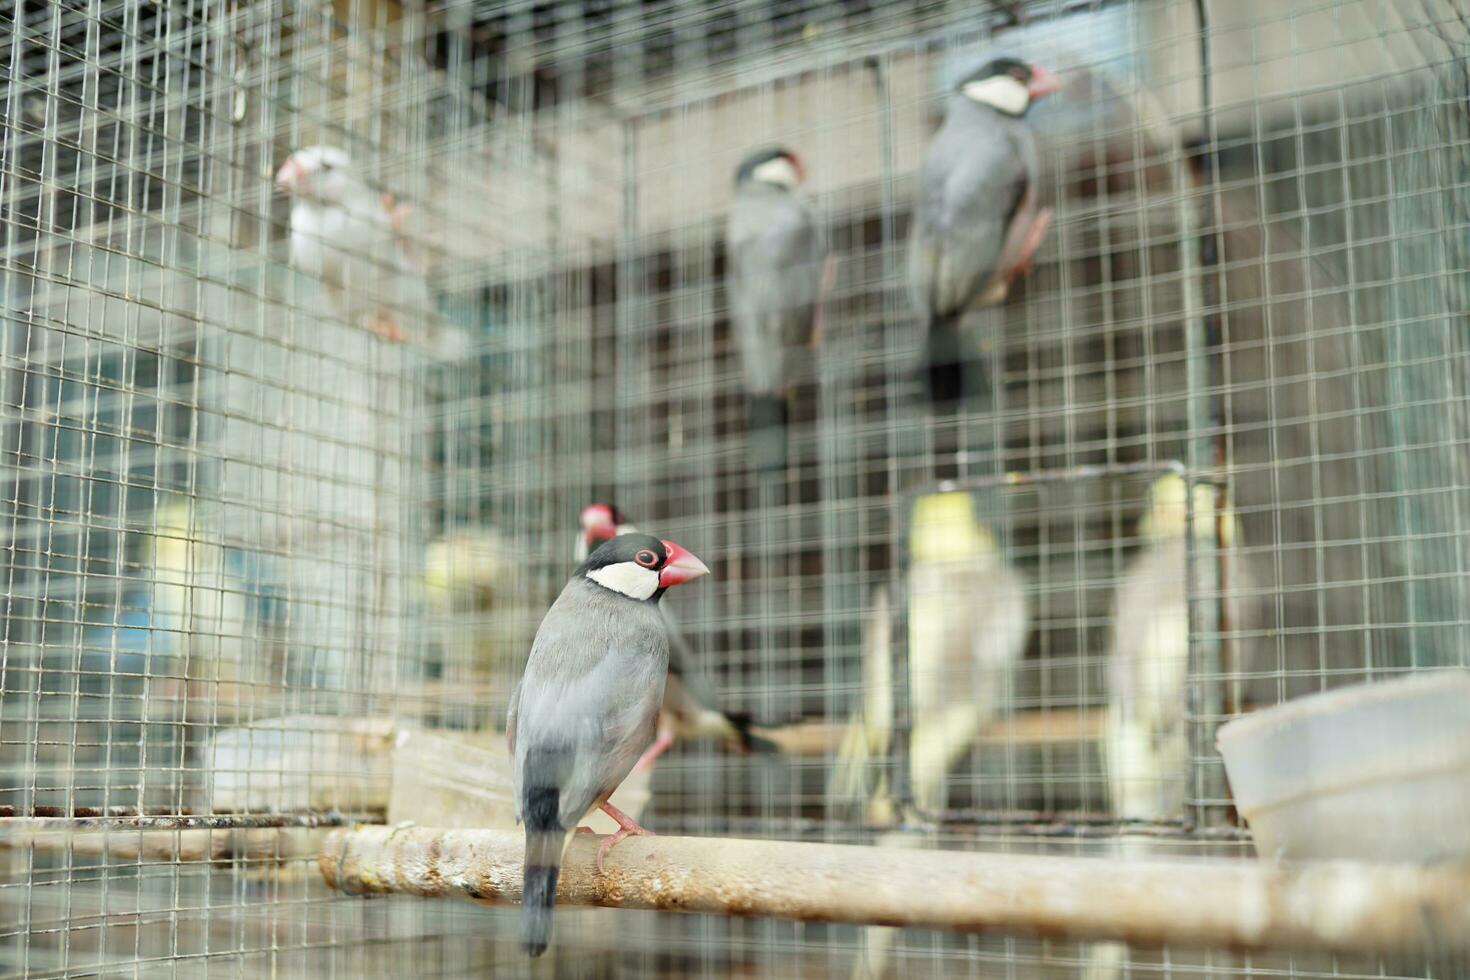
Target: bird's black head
x=774, y=165
x=640, y=566
x=1007, y=85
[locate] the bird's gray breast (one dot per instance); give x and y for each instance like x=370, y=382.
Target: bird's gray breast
x=591, y=690
x=977, y=168
x=775, y=254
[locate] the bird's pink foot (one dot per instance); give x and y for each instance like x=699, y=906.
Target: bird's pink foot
x=659, y=747
x=386, y=327
x=829, y=280
x=627, y=826
x=1034, y=236
x=585, y=830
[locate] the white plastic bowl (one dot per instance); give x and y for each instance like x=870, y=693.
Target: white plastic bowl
x=1372, y=772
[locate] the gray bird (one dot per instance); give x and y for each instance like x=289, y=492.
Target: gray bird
x=587, y=706
x=976, y=222
x=689, y=708
x=777, y=264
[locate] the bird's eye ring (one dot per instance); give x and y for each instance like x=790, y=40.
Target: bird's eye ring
x=646, y=558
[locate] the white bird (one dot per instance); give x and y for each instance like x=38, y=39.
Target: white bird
x=968, y=622
x=350, y=238
x=1146, y=746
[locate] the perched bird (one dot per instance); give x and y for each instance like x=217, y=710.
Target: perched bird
x=777, y=262
x=968, y=621
x=1147, y=742
x=1146, y=745
x=976, y=220
x=598, y=523
x=473, y=609
x=350, y=238
x=587, y=705
x=465, y=570
x=689, y=709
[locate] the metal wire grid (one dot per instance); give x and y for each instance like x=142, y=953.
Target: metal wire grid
x=569, y=164
x=203, y=478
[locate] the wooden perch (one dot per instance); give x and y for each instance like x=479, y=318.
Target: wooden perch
x=278, y=845
x=1050, y=727
x=1337, y=907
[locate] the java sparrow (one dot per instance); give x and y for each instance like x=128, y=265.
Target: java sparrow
x=976, y=221
x=350, y=238
x=777, y=265
x=689, y=706
x=587, y=705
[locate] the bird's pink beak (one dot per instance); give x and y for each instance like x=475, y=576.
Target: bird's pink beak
x=680, y=567
x=289, y=175
x=798, y=166
x=1043, y=82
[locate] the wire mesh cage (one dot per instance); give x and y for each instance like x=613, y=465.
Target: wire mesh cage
x=323, y=323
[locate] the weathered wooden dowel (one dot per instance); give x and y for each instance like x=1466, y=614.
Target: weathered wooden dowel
x=260, y=845
x=1335, y=907
x=1051, y=727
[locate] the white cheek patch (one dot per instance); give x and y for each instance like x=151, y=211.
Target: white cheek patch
x=778, y=171
x=1001, y=92
x=629, y=578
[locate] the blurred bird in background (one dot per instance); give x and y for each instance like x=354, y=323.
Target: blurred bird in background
x=778, y=265
x=976, y=219
x=689, y=706
x=588, y=705
x=471, y=599
x=353, y=240
x=1146, y=748
x=464, y=571
x=968, y=623
x=1148, y=663
x=343, y=235
x=190, y=610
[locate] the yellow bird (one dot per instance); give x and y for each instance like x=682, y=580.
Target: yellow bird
x=1146, y=746
x=968, y=621
x=464, y=570
x=472, y=603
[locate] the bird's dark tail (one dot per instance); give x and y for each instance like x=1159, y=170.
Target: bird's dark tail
x=950, y=374
x=749, y=740
x=545, y=838
x=768, y=432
